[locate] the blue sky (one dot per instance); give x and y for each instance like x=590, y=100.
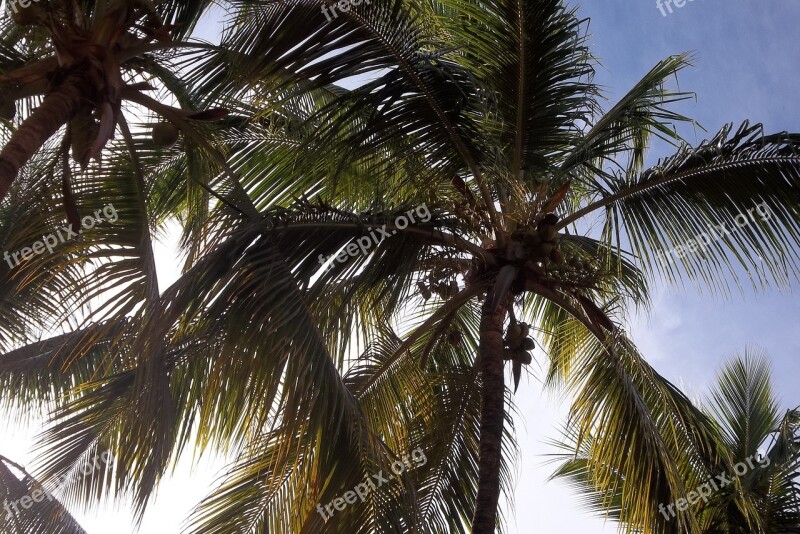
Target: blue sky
x=747, y=57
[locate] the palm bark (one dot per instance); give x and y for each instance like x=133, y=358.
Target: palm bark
x=492, y=418
x=56, y=109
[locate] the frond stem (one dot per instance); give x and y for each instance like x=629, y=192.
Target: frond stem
x=644, y=186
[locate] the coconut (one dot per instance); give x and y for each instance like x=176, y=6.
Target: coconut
x=527, y=344
x=8, y=109
x=545, y=249
x=455, y=337
x=515, y=251
x=165, y=134
x=508, y=354
x=523, y=356
x=547, y=232
x=557, y=256
x=424, y=291
x=524, y=329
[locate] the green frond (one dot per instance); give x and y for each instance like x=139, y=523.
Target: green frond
x=732, y=202
x=626, y=129
x=643, y=441
x=745, y=404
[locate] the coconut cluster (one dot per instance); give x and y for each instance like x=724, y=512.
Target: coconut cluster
x=518, y=344
x=574, y=269
x=537, y=250
x=538, y=245
x=438, y=283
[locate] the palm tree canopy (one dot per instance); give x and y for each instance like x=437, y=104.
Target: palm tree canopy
x=480, y=120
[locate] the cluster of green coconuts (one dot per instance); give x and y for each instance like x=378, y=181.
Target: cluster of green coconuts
x=538, y=244
x=518, y=344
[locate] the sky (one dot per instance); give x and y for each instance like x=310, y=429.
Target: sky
x=746, y=67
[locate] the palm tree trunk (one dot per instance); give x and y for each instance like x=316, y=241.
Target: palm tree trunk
x=56, y=109
x=492, y=418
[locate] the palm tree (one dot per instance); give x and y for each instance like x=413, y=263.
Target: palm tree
x=74, y=65
x=455, y=188
x=761, y=459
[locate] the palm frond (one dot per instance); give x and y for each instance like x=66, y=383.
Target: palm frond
x=29, y=507
x=704, y=199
